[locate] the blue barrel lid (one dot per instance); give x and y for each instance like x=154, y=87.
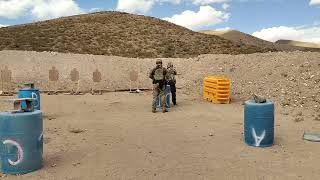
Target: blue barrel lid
x=20, y=113
x=252, y=102
x=29, y=89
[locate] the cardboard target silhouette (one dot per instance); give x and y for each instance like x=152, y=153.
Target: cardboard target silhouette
x=74, y=75
x=133, y=77
x=53, y=78
x=96, y=76
x=53, y=74
x=6, y=77
x=75, y=78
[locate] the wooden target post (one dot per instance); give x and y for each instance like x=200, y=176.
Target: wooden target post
x=75, y=78
x=96, y=78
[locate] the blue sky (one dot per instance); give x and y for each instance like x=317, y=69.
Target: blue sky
x=267, y=19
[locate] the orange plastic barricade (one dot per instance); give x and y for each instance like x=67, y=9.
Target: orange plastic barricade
x=216, y=89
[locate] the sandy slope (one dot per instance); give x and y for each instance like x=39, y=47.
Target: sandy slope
x=239, y=37
x=117, y=34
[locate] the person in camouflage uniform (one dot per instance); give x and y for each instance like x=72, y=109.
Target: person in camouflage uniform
x=171, y=80
x=158, y=76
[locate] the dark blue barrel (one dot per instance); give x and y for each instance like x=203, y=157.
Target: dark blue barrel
x=259, y=123
x=21, y=147
x=30, y=93
x=168, y=97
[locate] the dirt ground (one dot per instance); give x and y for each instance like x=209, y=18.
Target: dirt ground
x=123, y=140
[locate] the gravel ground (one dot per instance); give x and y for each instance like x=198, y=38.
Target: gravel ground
x=115, y=136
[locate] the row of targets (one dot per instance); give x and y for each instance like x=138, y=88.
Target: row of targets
x=54, y=77
x=74, y=75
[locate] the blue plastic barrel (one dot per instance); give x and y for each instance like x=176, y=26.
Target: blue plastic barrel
x=21, y=146
x=168, y=98
x=30, y=93
x=259, y=123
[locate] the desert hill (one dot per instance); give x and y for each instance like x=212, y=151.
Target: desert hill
x=298, y=43
x=118, y=34
x=243, y=38
x=239, y=37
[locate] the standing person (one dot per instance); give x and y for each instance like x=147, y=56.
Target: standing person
x=171, y=80
x=158, y=76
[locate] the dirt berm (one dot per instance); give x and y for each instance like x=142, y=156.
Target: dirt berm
x=290, y=78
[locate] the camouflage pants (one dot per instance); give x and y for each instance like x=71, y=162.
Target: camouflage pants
x=157, y=90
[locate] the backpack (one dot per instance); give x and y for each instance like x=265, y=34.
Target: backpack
x=158, y=74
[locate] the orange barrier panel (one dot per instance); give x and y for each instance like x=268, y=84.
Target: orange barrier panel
x=216, y=89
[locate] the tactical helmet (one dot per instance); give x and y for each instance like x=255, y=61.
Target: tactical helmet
x=170, y=64
x=159, y=61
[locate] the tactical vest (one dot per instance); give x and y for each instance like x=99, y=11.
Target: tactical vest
x=158, y=74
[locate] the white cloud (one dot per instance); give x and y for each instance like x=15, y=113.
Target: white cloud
x=170, y=1
x=304, y=33
x=3, y=25
x=206, y=2
x=141, y=6
x=50, y=9
x=314, y=2
x=135, y=6
x=144, y=6
x=14, y=8
x=206, y=16
x=225, y=6
x=38, y=9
